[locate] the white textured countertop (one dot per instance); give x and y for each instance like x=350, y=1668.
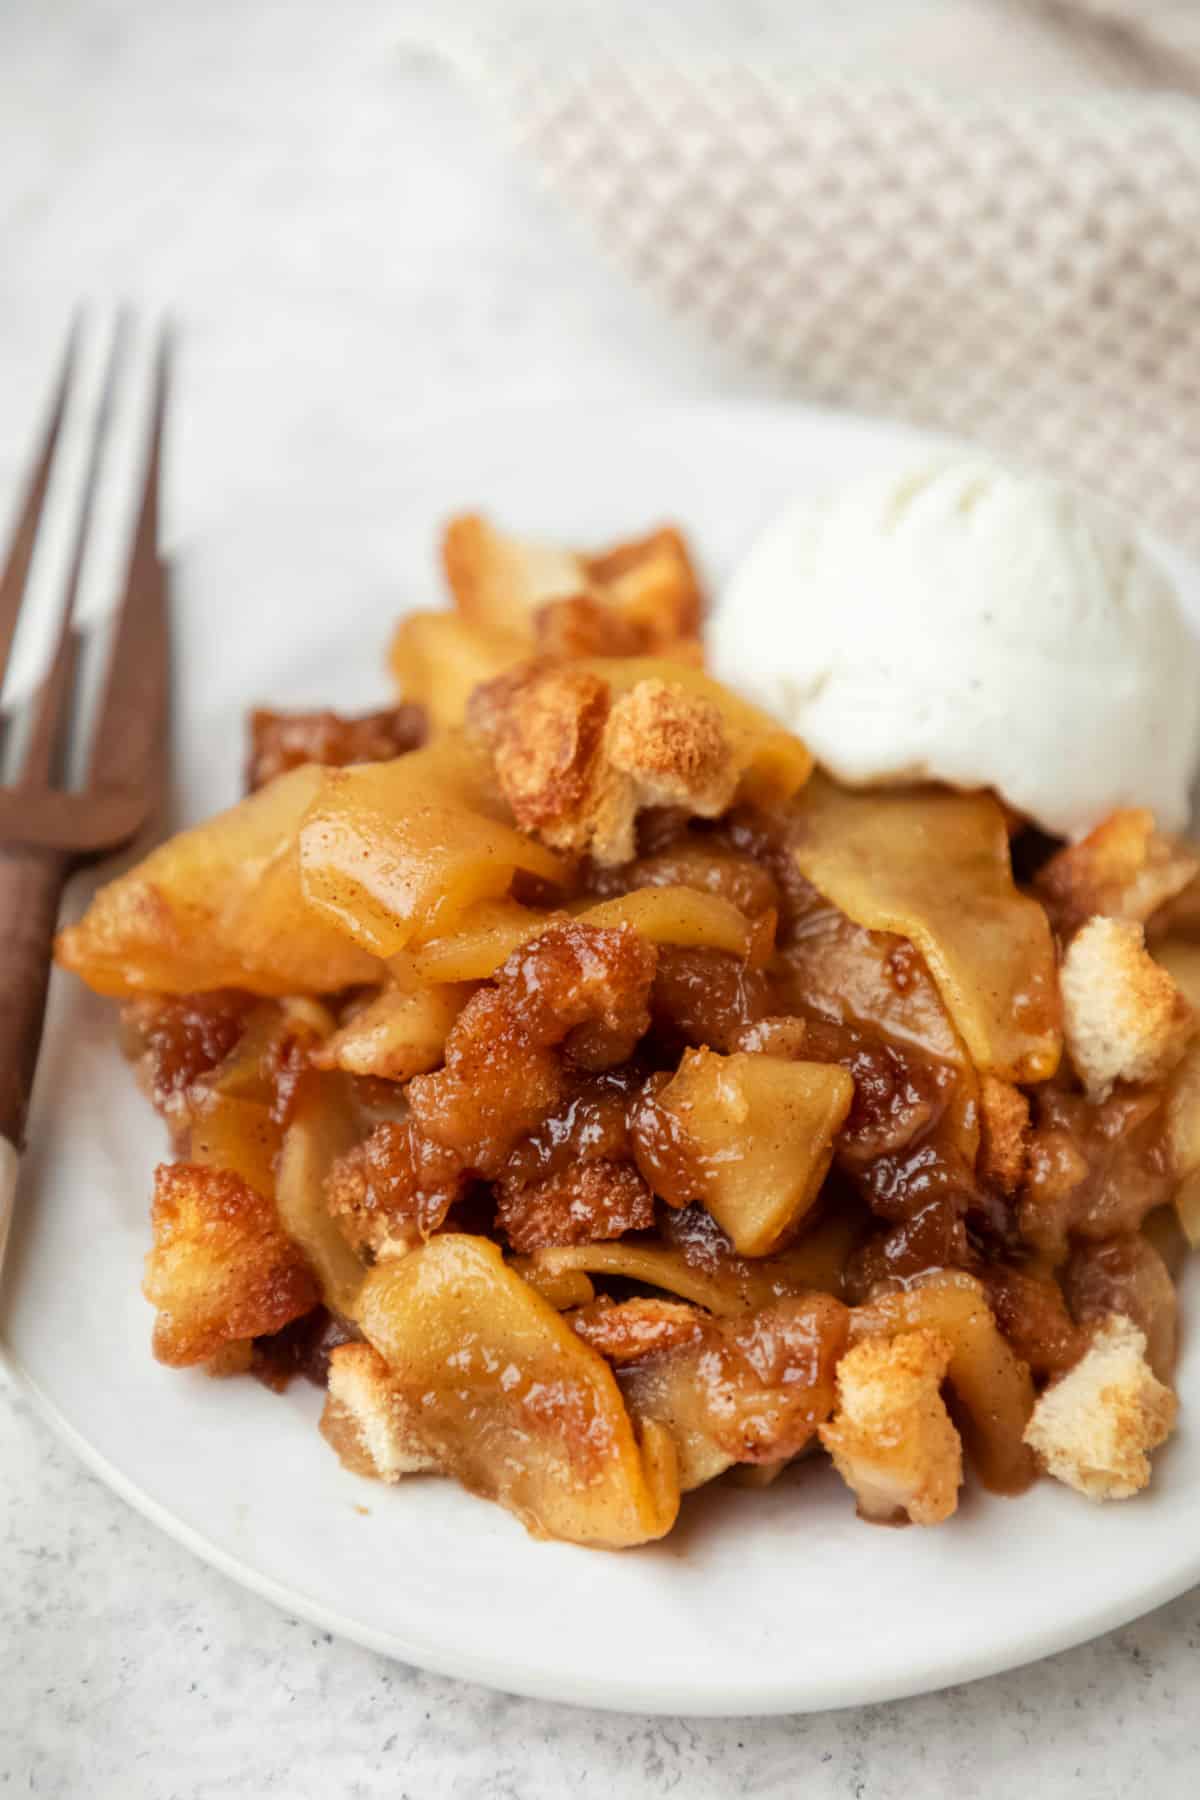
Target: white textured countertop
x=345, y=245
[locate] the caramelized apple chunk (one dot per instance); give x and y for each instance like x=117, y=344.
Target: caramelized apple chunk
x=396, y=1034
x=1094, y=1170
x=489, y=932
x=438, y=659
x=750, y=1389
x=750, y=1136
x=1031, y=1311
x=506, y=1397
x=175, y=1039
x=221, y=1269
x=626, y=1331
x=696, y=862
x=698, y=1263
x=323, y=1129
x=1126, y=1275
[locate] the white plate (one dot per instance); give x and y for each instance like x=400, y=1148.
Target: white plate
x=758, y=1602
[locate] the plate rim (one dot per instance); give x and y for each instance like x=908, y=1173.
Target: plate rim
x=662, y=1696
x=620, y=1694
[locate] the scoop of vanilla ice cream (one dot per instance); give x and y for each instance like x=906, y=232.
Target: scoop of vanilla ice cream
x=968, y=623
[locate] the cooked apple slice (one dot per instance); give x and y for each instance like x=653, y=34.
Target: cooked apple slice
x=324, y=1125
x=240, y=1135
x=488, y=933
x=438, y=659
x=394, y=853
x=509, y=1400
x=218, y=906
x=751, y=1136
x=1180, y=957
x=396, y=1035
x=933, y=866
x=715, y=1277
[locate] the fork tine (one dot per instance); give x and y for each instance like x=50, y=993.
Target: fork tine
x=127, y=741
x=55, y=692
x=20, y=554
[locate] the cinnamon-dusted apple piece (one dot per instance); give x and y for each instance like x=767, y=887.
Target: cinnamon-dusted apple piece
x=395, y=1034
x=933, y=866
x=392, y=853
x=221, y=905
x=491, y=931
x=750, y=1135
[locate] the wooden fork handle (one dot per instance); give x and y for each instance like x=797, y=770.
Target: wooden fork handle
x=31, y=885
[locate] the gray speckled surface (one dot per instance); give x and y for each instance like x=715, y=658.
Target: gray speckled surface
x=309, y=193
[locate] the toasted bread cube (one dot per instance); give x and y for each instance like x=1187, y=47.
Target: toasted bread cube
x=1123, y=1017
x=221, y=1267
x=1125, y=869
x=1094, y=1427
x=891, y=1438
x=648, y=584
x=652, y=583
x=367, y=1419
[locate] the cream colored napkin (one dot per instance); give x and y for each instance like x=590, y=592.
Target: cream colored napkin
x=984, y=218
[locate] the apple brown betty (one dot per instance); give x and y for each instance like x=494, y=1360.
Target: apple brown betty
x=595, y=1098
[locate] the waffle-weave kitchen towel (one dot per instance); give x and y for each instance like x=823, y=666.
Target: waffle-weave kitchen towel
x=984, y=218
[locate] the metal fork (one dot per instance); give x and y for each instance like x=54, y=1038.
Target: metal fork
x=47, y=829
